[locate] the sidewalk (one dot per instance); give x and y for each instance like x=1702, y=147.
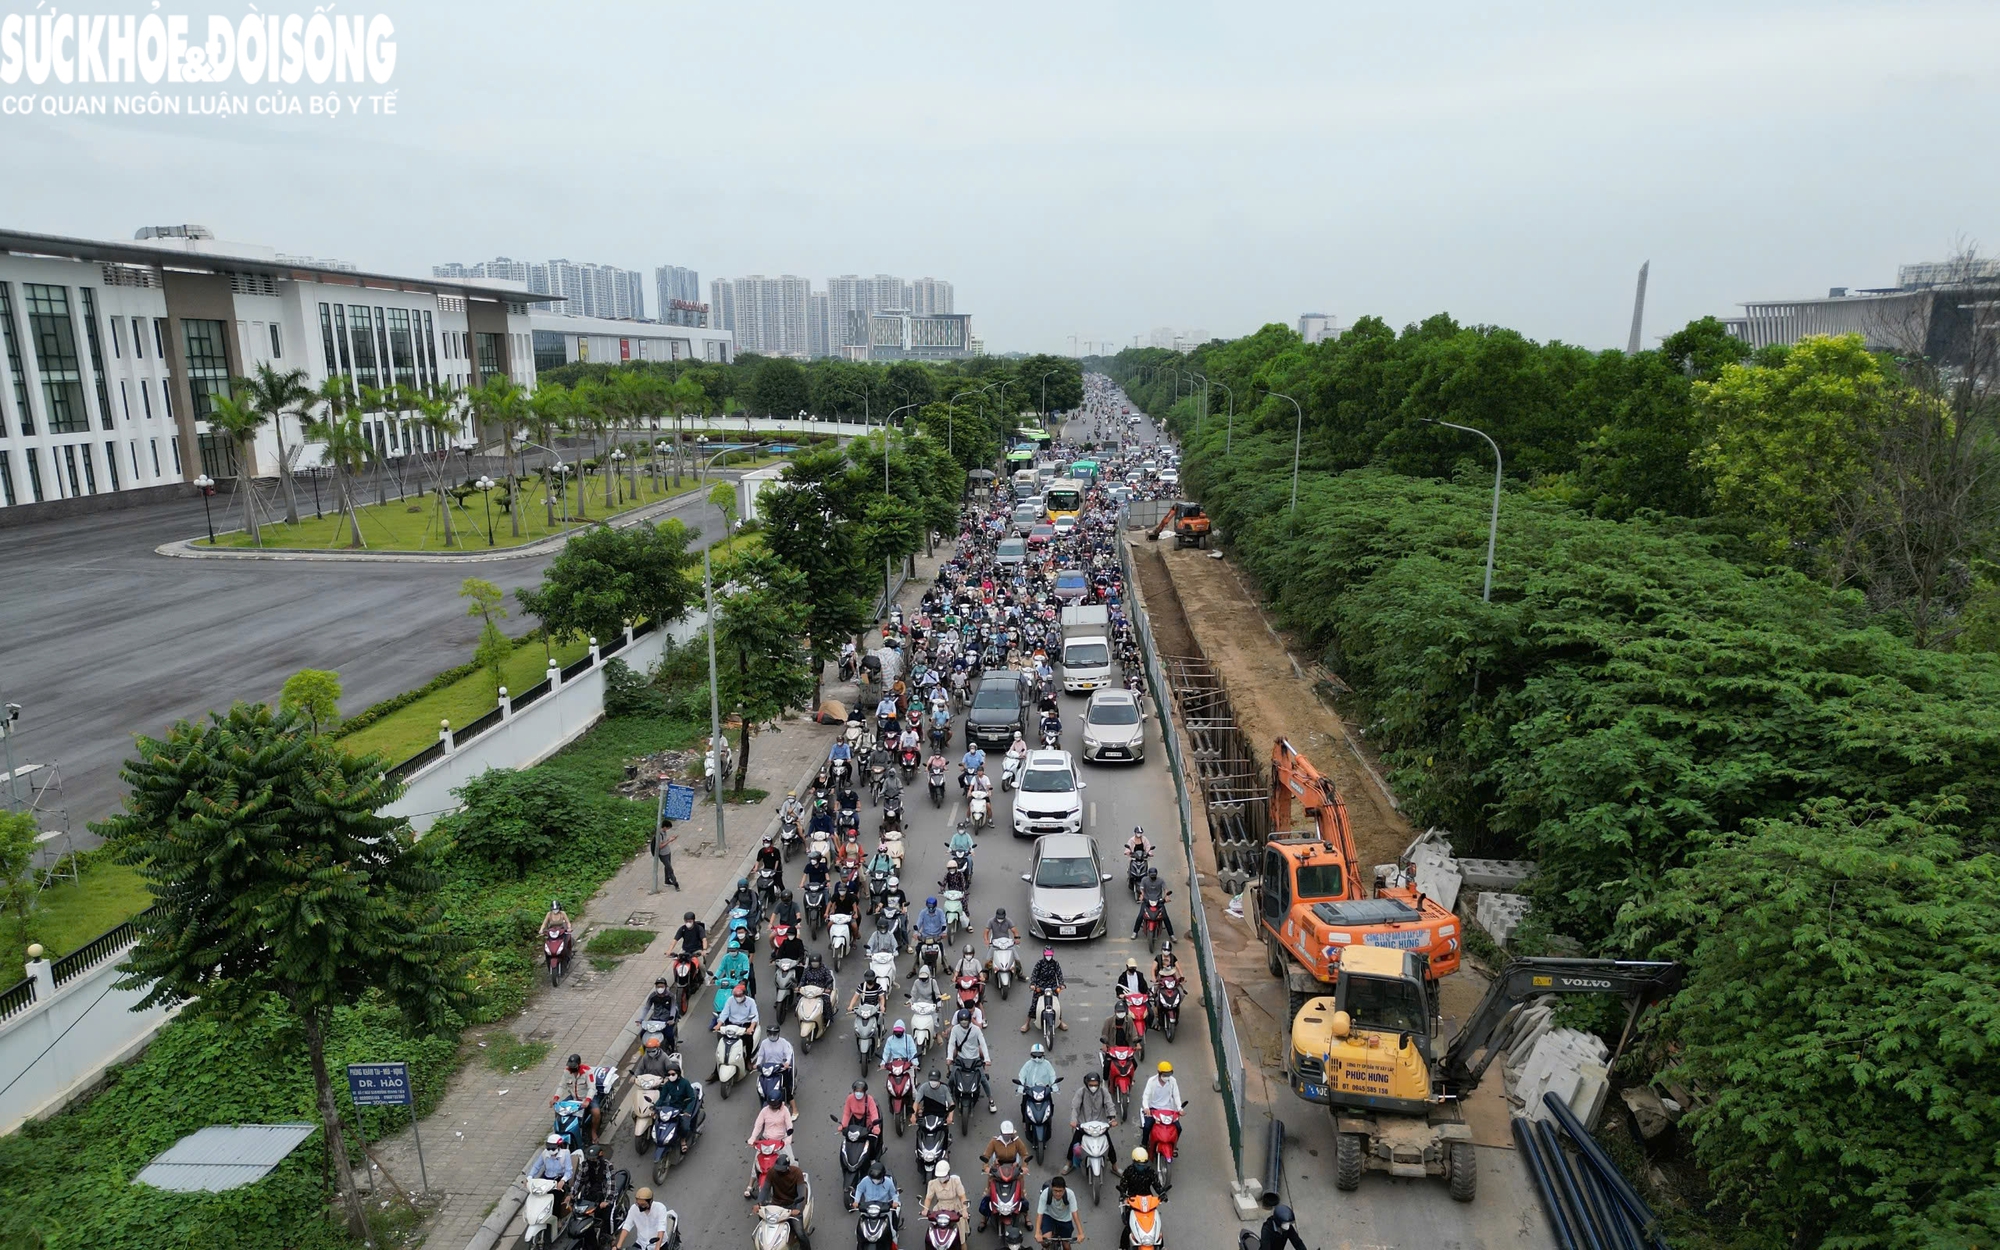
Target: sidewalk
x=488, y=1124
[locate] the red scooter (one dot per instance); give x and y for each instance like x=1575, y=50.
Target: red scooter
x=971, y=988
x=1167, y=998
x=1005, y=1199
x=556, y=949
x=1121, y=1062
x=901, y=1083
x=1163, y=1136
x=943, y=1232
x=1138, y=1006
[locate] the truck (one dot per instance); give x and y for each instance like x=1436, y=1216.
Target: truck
x=1314, y=901
x=1086, y=647
x=1372, y=1053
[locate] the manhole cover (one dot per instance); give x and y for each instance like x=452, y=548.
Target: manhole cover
x=639, y=919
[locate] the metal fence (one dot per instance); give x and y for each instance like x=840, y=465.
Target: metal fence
x=96, y=951
x=529, y=695
x=396, y=772
x=459, y=737
x=17, y=998
x=1215, y=996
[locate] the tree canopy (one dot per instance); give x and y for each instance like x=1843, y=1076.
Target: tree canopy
x=605, y=577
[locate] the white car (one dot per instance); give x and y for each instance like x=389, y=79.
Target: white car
x=1113, y=728
x=1170, y=477
x=1048, y=798
x=1064, y=524
x=1065, y=888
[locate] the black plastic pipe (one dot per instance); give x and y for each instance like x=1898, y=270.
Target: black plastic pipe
x=1642, y=1215
x=1623, y=1235
x=1274, y=1164
x=1564, y=1183
x=1531, y=1152
x=1593, y=1214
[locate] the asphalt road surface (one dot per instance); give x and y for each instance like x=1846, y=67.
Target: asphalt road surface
x=104, y=639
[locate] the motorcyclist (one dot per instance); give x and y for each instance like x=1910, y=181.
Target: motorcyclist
x=792, y=812
x=969, y=964
x=785, y=1186
x=786, y=912
x=1138, y=842
x=885, y=715
x=946, y=1193
x=971, y=762
x=934, y=1096
x=1036, y=1071
x=877, y=1186
x=899, y=1045
x=1052, y=724
x=967, y=1044
x=819, y=824
x=861, y=1108
x=895, y=894
x=579, y=1082
x=738, y=1008
x=872, y=992
x=1166, y=961
x=1092, y=1102
x=653, y=1059
x=771, y=859
x=773, y=1123
x=816, y=871
x=846, y=899
x=847, y=798
x=1139, y=1177
x=1162, y=1093
x=930, y=923
x=817, y=973
x=678, y=1099
x=775, y=1049
x=892, y=785
x=1004, y=1147
x=980, y=784
x=1276, y=1233
x=955, y=877
x=557, y=921
x=936, y=762
x=735, y=967
x=1017, y=753
x=1047, y=974
x=1000, y=926
x=883, y=940
x=1131, y=980
x=746, y=898
x=924, y=986
x=1117, y=1030
x=961, y=841
x=691, y=939
x=662, y=1005
x=1153, y=890
x=554, y=1164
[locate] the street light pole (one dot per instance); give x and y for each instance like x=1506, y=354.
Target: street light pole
x=1229, y=430
x=714, y=703
x=206, y=485
x=485, y=484
x=1298, y=435
x=1493, y=524
x=1202, y=411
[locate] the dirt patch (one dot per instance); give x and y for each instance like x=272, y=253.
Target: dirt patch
x=1270, y=696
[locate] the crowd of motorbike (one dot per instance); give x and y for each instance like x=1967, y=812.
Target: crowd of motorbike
x=848, y=900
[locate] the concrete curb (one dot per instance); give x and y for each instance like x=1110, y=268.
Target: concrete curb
x=510, y=1204
x=190, y=548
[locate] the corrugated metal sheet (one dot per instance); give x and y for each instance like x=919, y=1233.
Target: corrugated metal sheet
x=223, y=1157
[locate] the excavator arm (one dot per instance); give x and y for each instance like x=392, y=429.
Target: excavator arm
x=1640, y=983
x=1292, y=775
x=1166, y=519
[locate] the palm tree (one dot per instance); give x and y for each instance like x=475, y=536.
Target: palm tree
x=684, y=394
x=347, y=449
x=501, y=402
x=240, y=420
x=439, y=413
x=279, y=395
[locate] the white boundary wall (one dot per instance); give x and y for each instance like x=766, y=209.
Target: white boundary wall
x=62, y=1045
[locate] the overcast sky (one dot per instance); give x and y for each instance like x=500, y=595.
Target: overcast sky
x=1098, y=169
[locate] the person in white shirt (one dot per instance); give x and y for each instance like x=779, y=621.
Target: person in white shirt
x=647, y=1222
x=1162, y=1093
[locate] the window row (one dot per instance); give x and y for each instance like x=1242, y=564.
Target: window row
x=75, y=466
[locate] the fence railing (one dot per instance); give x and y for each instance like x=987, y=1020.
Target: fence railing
x=532, y=693
x=477, y=727
x=613, y=647
x=398, y=771
x=573, y=671
x=94, y=952
x=1215, y=1002
x=17, y=998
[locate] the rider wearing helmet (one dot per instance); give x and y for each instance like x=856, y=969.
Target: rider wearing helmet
x=1153, y=890
x=774, y=1049
x=1162, y=1093
x=1277, y=1233
x=1047, y=974
x=1092, y=1102
x=1140, y=1178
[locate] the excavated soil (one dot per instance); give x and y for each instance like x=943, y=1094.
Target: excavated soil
x=1271, y=696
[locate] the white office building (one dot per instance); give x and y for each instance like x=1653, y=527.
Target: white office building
x=561, y=340
x=114, y=350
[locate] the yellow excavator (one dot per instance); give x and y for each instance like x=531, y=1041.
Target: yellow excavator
x=1189, y=522
x=1371, y=1052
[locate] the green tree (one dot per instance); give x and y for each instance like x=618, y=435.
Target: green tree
x=313, y=693
x=722, y=497
x=488, y=603
x=499, y=404
x=1703, y=348
x=515, y=817
x=274, y=874
x=1840, y=1019
x=339, y=428
x=891, y=530
x=237, y=419
x=279, y=395
x=604, y=577
x=762, y=671
x=1788, y=448
x=780, y=389
x=806, y=525
x=18, y=831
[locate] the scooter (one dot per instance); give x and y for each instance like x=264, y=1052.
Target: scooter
x=739, y=927
x=774, y=1226
x=599, y=1203
x=1138, y=1006
x=1135, y=872
x=933, y=1140
x=1010, y=769
x=568, y=1123
x=1153, y=919
x=540, y=1211
x=1038, y=1110
x=671, y=1141
x=954, y=914
x=892, y=842
x=892, y=820
x=1120, y=1063
x=876, y=1228
x=970, y=988
x=1006, y=1196
x=1163, y=1137
x=1142, y=1224
x=882, y=965
x=942, y=1232
x=790, y=840
x=812, y=1016
x=1002, y=962
x=867, y=1027
x=923, y=1024
x=556, y=950
x=909, y=763
x=1096, y=1151
x=937, y=786
x=785, y=986
x=687, y=979
x=1048, y=1014
x=767, y=886
x=979, y=810
x=815, y=908
x=770, y=1082
x=643, y=1103
x=731, y=1057
x=899, y=1083
x=857, y=1147
x=1168, y=995
x=839, y=936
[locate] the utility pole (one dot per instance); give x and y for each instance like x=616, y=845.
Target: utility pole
x=714, y=703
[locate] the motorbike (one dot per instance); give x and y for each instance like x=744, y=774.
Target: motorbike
x=937, y=785
x=1142, y=1226
x=812, y=1016
x=899, y=1083
x=878, y=877
x=876, y=1228
x=892, y=843
x=568, y=1123
x=599, y=1203
x=766, y=1157
x=1153, y=919
x=954, y=913
x=846, y=666
x=965, y=1089
x=790, y=840
x=1135, y=872
x=1010, y=769
x=740, y=928
x=878, y=768
x=909, y=762
x=930, y=953
x=857, y=1148
x=839, y=936
x=923, y=1024
x=815, y=908
x=688, y=976
x=644, y=1100
x=540, y=1212
x=1051, y=735
x=556, y=950
x=1003, y=964
x=970, y=988
x=671, y=1140
x=1163, y=1137
x=1121, y=1063
x=774, y=1225
x=1048, y=1013
x=979, y=809
x=732, y=1058
x=1168, y=995
x=1006, y=1198
x=1096, y=1150
x=941, y=1231
x=933, y=1140
x=851, y=735
x=770, y=1082
x=892, y=819
x=1138, y=1006
x=867, y=1028
x=1038, y=1111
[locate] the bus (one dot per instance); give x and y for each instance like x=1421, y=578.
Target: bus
x=1084, y=470
x=1064, y=497
x=1031, y=437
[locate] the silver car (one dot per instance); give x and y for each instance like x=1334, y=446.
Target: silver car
x=1065, y=888
x=1114, y=728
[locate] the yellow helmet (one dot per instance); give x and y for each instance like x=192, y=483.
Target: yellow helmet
x=1166, y=1069
x=1138, y=1154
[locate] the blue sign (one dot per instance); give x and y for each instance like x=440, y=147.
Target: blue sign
x=379, y=1084
x=678, y=804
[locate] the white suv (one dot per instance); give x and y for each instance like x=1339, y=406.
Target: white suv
x=1048, y=798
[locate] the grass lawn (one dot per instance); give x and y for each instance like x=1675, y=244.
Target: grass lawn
x=409, y=730
x=68, y=914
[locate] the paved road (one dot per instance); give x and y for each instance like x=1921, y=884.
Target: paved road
x=103, y=639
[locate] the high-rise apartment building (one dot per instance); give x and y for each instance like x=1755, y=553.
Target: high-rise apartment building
x=680, y=296
x=819, y=325
x=930, y=297
x=769, y=316
x=588, y=290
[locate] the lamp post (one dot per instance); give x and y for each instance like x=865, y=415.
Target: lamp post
x=485, y=484
x=1045, y=393
x=206, y=485
x=1229, y=430
x=1298, y=435
x=1493, y=524
x=9, y=721
x=618, y=464
x=714, y=698
x=701, y=453
x=1202, y=411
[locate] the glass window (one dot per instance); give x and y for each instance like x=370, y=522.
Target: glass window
x=489, y=353
x=1320, y=881
x=402, y=348
x=429, y=341
x=1066, y=874
x=549, y=352
x=160, y=337
x=54, y=337
x=133, y=446
x=153, y=445
x=346, y=364
x=125, y=394
x=326, y=338
x=34, y=460
x=117, y=339
x=1048, y=781
x=110, y=462
x=1380, y=1003
x=69, y=463
x=176, y=445
x=146, y=397
x=1088, y=655
x=207, y=361
x=1114, y=713
x=363, y=344
x=139, y=338
x=96, y=341
x=21, y=409
x=218, y=455
x=7, y=477
x=277, y=344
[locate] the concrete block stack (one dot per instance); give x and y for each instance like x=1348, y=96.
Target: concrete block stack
x=1573, y=1065
x=1495, y=874
x=1501, y=914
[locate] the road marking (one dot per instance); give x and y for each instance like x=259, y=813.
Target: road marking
x=1093, y=813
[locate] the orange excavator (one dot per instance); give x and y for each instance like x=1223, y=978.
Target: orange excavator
x=1315, y=899
x=1189, y=522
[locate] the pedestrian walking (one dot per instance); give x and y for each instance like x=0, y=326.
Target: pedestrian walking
x=663, y=847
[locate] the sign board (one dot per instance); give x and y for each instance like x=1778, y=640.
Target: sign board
x=379, y=1084
x=678, y=803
